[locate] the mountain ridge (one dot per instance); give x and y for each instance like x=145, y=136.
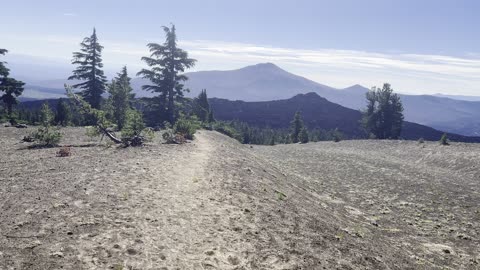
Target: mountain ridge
x=267, y=81
x=317, y=113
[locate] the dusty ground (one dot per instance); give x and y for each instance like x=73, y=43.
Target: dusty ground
x=216, y=204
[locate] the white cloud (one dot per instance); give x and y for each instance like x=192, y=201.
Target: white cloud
x=410, y=73
x=69, y=14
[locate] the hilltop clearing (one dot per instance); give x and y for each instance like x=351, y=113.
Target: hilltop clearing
x=216, y=204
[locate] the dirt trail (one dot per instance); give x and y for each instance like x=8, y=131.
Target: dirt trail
x=157, y=207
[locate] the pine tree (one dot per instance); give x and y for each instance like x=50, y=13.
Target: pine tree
x=303, y=136
x=89, y=70
x=4, y=71
x=272, y=140
x=10, y=87
x=383, y=117
x=167, y=62
x=120, y=98
x=202, y=108
x=125, y=81
x=211, y=118
x=64, y=114
x=296, y=127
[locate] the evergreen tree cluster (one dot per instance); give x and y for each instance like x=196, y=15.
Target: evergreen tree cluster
x=383, y=118
x=202, y=108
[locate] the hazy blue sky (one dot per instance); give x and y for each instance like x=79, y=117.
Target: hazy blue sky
x=418, y=46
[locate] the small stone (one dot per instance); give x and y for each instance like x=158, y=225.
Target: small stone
x=57, y=254
x=131, y=251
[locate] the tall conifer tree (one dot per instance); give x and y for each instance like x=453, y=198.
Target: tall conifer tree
x=89, y=70
x=3, y=69
x=120, y=98
x=296, y=127
x=167, y=63
x=202, y=107
x=10, y=87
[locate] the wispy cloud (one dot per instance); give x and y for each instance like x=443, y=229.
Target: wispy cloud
x=413, y=73
x=70, y=14
x=466, y=68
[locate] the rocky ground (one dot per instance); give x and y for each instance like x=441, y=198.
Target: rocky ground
x=216, y=204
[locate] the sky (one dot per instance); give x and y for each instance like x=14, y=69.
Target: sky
x=419, y=47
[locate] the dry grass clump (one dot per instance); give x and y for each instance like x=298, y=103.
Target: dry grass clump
x=65, y=151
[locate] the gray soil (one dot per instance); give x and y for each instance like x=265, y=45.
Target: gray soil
x=216, y=204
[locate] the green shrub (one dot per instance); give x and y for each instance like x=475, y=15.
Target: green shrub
x=228, y=130
x=444, y=139
x=172, y=138
x=134, y=124
x=47, y=135
x=186, y=128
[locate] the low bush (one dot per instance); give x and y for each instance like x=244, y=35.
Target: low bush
x=172, y=138
x=186, y=128
x=46, y=135
x=227, y=130
x=444, y=139
x=134, y=132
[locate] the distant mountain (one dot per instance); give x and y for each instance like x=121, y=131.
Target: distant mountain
x=264, y=82
x=459, y=97
x=317, y=112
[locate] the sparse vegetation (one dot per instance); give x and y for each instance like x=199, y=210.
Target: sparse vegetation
x=46, y=135
x=186, y=127
x=444, y=139
x=101, y=125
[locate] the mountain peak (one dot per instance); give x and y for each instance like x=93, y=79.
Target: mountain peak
x=356, y=87
x=264, y=66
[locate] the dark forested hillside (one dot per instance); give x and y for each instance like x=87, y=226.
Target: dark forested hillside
x=318, y=113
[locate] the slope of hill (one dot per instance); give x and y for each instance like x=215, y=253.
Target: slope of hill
x=216, y=204
x=317, y=113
